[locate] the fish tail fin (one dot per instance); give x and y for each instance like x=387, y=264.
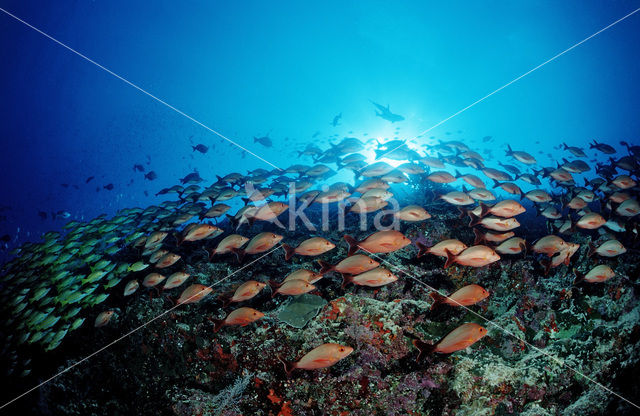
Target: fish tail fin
x=565, y=147
x=232, y=220
x=451, y=258
x=423, y=348
x=353, y=245
x=240, y=253
x=273, y=284
x=463, y=212
x=288, y=367
x=422, y=249
x=179, y=238
x=509, y=151
x=325, y=267
x=579, y=277
x=484, y=209
x=496, y=184
x=458, y=174
x=217, y=324
x=524, y=246
x=246, y=201
x=346, y=279
x=546, y=263
x=480, y=238
x=379, y=153
x=438, y=300
x=226, y=300
x=194, y=148
x=592, y=249
x=475, y=220
x=288, y=251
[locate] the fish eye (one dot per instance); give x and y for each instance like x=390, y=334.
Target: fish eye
x=341, y=349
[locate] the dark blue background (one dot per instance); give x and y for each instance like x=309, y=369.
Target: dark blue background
x=248, y=68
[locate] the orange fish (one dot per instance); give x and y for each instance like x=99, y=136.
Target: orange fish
x=314, y=246
x=152, y=279
x=457, y=198
x=167, y=260
x=491, y=237
x=591, y=221
x=303, y=274
x=610, y=248
x=452, y=245
x=475, y=256
x=549, y=245
x=371, y=184
x=194, y=293
x=538, y=195
x=441, y=177
x=258, y=244
x=356, y=264
x=103, y=318
x=412, y=213
x=368, y=204
x=175, y=280
x=465, y=296
x=373, y=278
x=514, y=245
x=323, y=356
x=378, y=242
x=228, y=243
x=155, y=238
x=509, y=187
x=268, y=212
x=293, y=287
x=505, y=209
x=241, y=316
x=458, y=339
x=131, y=287
x=494, y=223
x=196, y=232
x=247, y=290
x=598, y=274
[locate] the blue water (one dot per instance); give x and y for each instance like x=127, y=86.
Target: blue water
x=250, y=68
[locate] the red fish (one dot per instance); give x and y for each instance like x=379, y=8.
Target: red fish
x=598, y=274
x=465, y=296
x=474, y=256
x=378, y=242
x=458, y=339
x=103, y=318
x=246, y=291
x=293, y=287
x=241, y=316
x=323, y=356
x=373, y=278
x=194, y=293
x=314, y=246
x=356, y=264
